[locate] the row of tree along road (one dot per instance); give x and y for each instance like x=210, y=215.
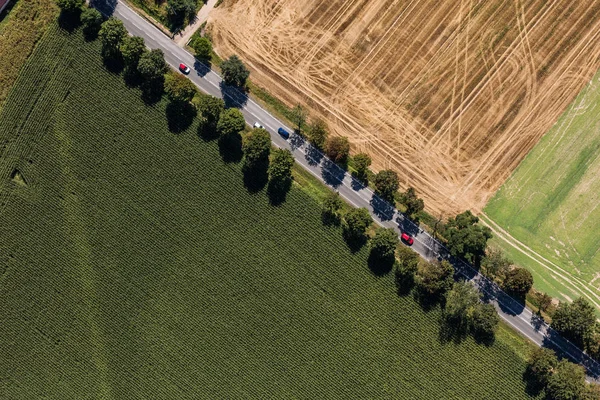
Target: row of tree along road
x=431, y=282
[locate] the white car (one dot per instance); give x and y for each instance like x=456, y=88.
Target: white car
x=259, y=126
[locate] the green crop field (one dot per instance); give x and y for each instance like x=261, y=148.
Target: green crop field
x=546, y=216
x=135, y=265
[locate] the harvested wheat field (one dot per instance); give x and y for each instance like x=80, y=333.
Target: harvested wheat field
x=450, y=94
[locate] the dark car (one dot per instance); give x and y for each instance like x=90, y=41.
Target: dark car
x=406, y=238
x=184, y=68
x=283, y=133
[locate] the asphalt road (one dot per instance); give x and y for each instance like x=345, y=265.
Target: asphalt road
x=520, y=318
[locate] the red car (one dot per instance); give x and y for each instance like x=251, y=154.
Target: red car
x=406, y=238
x=184, y=68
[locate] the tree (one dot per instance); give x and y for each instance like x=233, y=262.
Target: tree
x=518, y=281
x=567, y=382
x=91, y=21
x=280, y=169
x=460, y=303
x=356, y=222
x=362, y=162
x=202, y=48
x=231, y=122
x=112, y=32
x=132, y=48
x=406, y=267
x=317, y=133
x=256, y=147
x=178, y=10
x=544, y=301
x=152, y=64
x=70, y=6
x=413, y=204
x=234, y=72
x=383, y=245
x=541, y=365
x=575, y=321
x=338, y=149
x=299, y=117
x=494, y=264
x=434, y=278
x=466, y=239
x=179, y=88
x=332, y=206
x=210, y=107
x=484, y=320
x=386, y=185
x=592, y=392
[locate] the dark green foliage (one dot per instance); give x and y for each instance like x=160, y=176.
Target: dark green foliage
x=567, y=382
x=132, y=48
x=112, y=33
x=575, y=321
x=179, y=10
x=152, y=64
x=386, y=185
x=231, y=122
x=434, y=278
x=140, y=268
x=544, y=301
x=234, y=72
x=355, y=223
x=338, y=149
x=257, y=148
x=70, y=5
x=202, y=48
x=467, y=239
x=494, y=264
x=91, y=21
x=383, y=248
x=460, y=303
x=280, y=174
x=383, y=244
x=517, y=282
x=210, y=108
x=484, y=321
x=317, y=133
x=405, y=269
x=332, y=207
x=362, y=162
x=179, y=88
x=298, y=117
x=414, y=205
x=541, y=365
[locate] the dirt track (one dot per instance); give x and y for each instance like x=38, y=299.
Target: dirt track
x=451, y=94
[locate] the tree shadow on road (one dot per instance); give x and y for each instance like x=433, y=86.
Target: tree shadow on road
x=332, y=174
x=233, y=97
x=382, y=209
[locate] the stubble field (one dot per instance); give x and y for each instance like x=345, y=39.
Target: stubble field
x=135, y=265
x=450, y=94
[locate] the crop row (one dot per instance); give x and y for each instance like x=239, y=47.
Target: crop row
x=140, y=267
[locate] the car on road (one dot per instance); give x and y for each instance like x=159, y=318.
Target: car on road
x=283, y=133
x=258, y=126
x=184, y=68
x=406, y=238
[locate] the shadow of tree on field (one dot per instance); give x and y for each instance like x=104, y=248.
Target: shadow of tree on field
x=180, y=115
